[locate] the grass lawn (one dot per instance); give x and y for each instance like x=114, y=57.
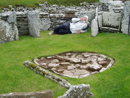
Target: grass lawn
x=35, y=3
x=112, y=83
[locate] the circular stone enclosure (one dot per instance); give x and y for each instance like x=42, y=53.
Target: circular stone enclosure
x=75, y=64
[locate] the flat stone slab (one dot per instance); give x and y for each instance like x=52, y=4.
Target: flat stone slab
x=75, y=64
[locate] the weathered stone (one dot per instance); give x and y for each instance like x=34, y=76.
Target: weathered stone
x=94, y=27
x=53, y=65
x=116, y=6
x=71, y=67
x=78, y=91
x=125, y=20
x=95, y=72
x=83, y=66
x=55, y=61
x=79, y=72
x=65, y=63
x=12, y=18
x=68, y=73
x=103, y=69
x=103, y=62
x=104, y=1
x=112, y=21
x=99, y=21
x=8, y=32
x=33, y=22
x=38, y=94
x=75, y=60
x=43, y=64
x=60, y=70
x=94, y=66
x=44, y=24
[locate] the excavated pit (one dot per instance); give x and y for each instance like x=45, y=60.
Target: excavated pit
x=75, y=64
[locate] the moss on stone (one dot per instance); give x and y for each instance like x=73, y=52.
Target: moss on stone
x=33, y=65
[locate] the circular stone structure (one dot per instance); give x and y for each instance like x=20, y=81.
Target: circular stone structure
x=75, y=64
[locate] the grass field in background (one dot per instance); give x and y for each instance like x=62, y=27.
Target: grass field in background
x=35, y=3
x=112, y=83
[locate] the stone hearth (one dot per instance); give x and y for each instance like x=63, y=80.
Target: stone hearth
x=75, y=64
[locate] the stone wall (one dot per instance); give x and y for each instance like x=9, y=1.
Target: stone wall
x=50, y=16
x=38, y=94
x=22, y=23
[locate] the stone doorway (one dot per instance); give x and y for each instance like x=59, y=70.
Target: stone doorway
x=75, y=64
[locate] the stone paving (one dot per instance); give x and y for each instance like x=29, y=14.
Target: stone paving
x=75, y=64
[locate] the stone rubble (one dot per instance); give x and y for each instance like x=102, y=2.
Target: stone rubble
x=75, y=91
x=75, y=64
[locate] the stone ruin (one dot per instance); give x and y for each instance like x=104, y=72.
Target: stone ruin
x=20, y=21
x=118, y=20
x=30, y=21
x=75, y=64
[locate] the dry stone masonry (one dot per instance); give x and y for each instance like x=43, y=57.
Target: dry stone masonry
x=48, y=17
x=75, y=64
x=112, y=18
x=38, y=94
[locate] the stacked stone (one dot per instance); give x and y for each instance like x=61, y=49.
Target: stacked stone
x=38, y=94
x=47, y=74
x=22, y=23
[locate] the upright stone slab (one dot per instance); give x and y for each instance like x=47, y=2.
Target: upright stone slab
x=12, y=18
x=94, y=27
x=33, y=24
x=125, y=19
x=8, y=29
x=111, y=19
x=8, y=32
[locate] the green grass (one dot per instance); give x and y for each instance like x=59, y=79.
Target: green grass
x=112, y=83
x=35, y=3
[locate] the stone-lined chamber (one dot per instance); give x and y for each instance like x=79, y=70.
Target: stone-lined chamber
x=74, y=91
x=75, y=64
x=83, y=60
